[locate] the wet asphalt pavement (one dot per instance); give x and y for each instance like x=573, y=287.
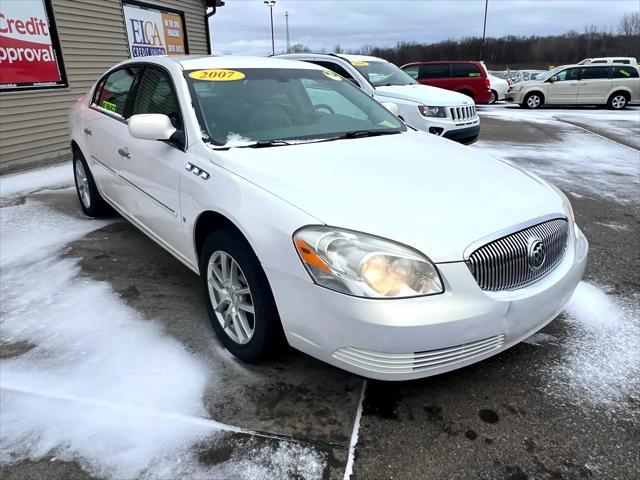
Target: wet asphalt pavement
x=504, y=418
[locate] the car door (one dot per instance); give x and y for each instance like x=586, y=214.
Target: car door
x=564, y=89
x=626, y=77
x=594, y=85
x=435, y=74
x=152, y=168
x=104, y=128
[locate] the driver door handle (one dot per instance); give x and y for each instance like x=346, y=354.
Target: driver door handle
x=124, y=152
x=88, y=131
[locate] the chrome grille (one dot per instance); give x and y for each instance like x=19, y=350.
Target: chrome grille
x=463, y=114
x=504, y=264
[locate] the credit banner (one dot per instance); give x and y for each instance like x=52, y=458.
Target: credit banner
x=154, y=31
x=28, y=56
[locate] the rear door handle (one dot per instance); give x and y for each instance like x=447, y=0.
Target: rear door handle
x=124, y=152
x=88, y=131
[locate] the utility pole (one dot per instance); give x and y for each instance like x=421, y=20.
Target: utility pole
x=484, y=30
x=270, y=4
x=286, y=17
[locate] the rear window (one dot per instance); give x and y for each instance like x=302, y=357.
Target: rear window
x=439, y=70
x=466, y=70
x=625, y=72
x=594, y=73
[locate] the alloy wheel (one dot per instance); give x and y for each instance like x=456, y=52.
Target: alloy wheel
x=82, y=183
x=231, y=297
x=619, y=101
x=533, y=101
x=493, y=98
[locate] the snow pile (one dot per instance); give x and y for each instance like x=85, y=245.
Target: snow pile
x=102, y=385
x=24, y=183
x=601, y=356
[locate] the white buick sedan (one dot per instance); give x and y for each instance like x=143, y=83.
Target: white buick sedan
x=316, y=218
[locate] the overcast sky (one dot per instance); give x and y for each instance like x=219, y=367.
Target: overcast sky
x=242, y=27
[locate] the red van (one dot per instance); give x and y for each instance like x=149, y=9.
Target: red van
x=469, y=78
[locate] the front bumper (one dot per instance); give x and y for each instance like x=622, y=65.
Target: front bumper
x=403, y=339
x=464, y=135
x=515, y=97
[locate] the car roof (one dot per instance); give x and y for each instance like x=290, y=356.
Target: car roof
x=200, y=62
x=360, y=58
x=343, y=56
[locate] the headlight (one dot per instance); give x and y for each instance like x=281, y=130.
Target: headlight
x=438, y=112
x=363, y=265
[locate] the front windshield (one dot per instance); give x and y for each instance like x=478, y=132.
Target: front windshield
x=244, y=105
x=547, y=75
x=382, y=74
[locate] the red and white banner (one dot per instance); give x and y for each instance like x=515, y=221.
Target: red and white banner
x=28, y=57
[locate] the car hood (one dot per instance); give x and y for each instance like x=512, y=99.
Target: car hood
x=432, y=96
x=418, y=189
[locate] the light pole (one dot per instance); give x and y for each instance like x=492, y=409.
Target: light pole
x=286, y=16
x=270, y=4
x=484, y=30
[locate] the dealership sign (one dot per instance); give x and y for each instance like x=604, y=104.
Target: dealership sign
x=29, y=52
x=152, y=31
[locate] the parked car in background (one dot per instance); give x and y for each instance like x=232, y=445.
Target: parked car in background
x=525, y=75
x=618, y=60
x=499, y=88
x=503, y=74
x=434, y=110
x=591, y=84
x=315, y=217
x=469, y=78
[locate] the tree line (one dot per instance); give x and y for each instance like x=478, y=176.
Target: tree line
x=520, y=51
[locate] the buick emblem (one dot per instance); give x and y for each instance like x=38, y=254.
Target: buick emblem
x=536, y=253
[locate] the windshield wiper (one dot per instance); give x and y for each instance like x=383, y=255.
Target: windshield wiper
x=266, y=143
x=368, y=133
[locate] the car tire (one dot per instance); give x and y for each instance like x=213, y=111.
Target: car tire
x=92, y=203
x=240, y=305
x=533, y=100
x=494, y=97
x=617, y=101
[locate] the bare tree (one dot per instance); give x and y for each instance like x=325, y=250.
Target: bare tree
x=630, y=25
x=299, y=48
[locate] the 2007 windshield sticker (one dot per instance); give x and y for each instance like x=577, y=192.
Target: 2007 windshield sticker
x=332, y=75
x=217, y=75
x=359, y=63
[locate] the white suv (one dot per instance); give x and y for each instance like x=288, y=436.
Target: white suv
x=448, y=114
x=613, y=85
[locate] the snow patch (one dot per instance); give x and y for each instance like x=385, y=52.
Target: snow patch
x=601, y=361
x=26, y=182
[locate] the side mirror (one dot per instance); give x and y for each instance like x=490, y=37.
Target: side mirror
x=553, y=79
x=392, y=107
x=151, y=126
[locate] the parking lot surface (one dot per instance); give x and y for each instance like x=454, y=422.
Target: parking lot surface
x=110, y=368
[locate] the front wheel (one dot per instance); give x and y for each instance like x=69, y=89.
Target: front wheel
x=239, y=300
x=533, y=100
x=617, y=101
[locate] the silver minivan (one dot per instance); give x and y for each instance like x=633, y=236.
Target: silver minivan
x=614, y=85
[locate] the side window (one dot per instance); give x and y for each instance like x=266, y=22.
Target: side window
x=569, y=74
x=625, y=72
x=334, y=67
x=465, y=70
x=437, y=70
x=113, y=92
x=413, y=71
x=155, y=95
x=593, y=73
x=598, y=61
